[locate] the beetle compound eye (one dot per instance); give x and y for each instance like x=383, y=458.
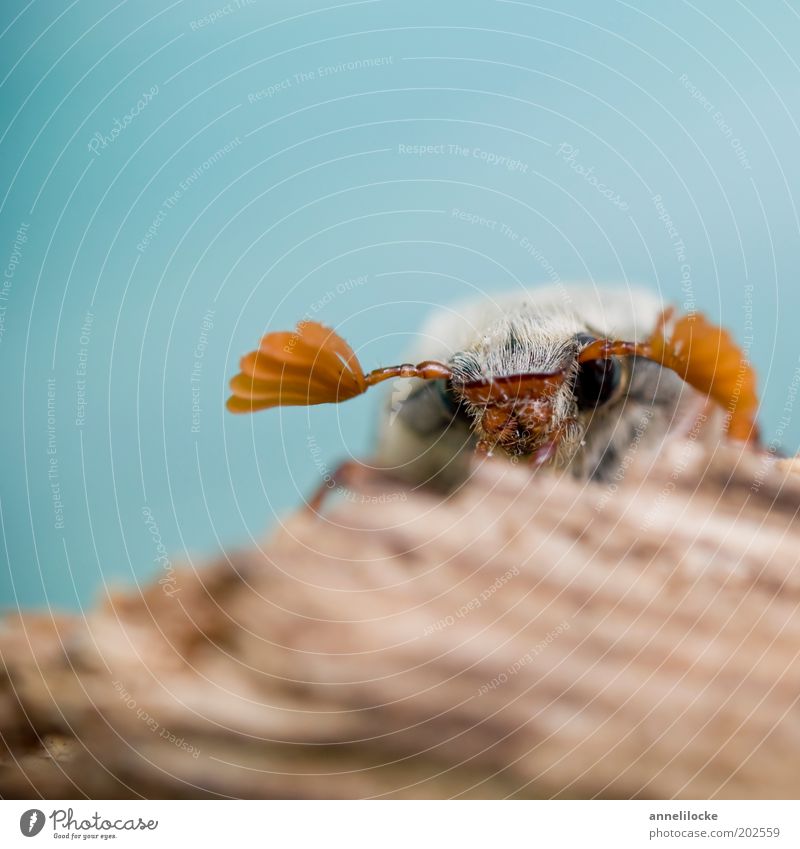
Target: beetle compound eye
x=597, y=382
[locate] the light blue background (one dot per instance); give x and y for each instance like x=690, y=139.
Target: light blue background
x=317, y=192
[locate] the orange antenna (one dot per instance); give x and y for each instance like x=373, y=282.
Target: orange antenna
x=312, y=365
x=706, y=357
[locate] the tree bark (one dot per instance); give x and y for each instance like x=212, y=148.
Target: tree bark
x=529, y=636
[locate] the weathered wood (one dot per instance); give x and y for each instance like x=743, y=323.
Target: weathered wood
x=528, y=636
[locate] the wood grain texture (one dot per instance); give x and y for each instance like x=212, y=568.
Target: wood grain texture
x=530, y=636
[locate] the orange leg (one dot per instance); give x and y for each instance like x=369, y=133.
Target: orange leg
x=349, y=474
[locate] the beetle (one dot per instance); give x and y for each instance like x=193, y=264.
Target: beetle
x=564, y=377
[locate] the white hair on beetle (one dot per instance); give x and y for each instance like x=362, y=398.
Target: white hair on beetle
x=535, y=332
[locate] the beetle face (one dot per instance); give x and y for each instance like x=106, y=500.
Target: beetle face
x=516, y=413
x=531, y=378
x=519, y=427
x=547, y=410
